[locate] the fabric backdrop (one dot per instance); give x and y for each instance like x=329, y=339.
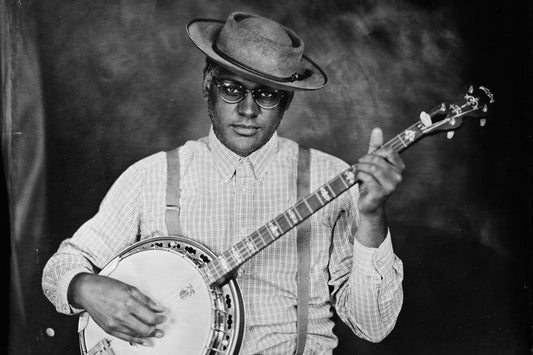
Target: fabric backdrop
x=91, y=87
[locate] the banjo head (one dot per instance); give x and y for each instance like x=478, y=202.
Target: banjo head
x=200, y=318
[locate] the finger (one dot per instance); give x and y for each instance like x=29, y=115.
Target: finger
x=128, y=328
x=145, y=320
x=395, y=159
x=390, y=156
x=147, y=316
x=386, y=177
x=131, y=339
x=138, y=328
x=147, y=301
x=369, y=186
x=375, y=164
x=376, y=139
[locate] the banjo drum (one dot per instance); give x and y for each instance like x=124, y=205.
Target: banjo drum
x=201, y=318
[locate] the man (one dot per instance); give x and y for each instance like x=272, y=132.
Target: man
x=234, y=181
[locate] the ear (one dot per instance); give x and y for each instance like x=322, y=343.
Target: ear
x=206, y=87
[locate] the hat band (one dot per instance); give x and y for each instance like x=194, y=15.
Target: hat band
x=294, y=77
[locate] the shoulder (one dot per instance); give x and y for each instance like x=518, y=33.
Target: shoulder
x=327, y=161
x=150, y=163
x=320, y=161
x=158, y=161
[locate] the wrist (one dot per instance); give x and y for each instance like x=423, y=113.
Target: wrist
x=372, y=228
x=374, y=216
x=74, y=289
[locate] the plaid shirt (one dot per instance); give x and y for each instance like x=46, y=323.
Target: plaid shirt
x=226, y=197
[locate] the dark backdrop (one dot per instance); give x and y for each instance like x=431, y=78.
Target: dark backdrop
x=120, y=80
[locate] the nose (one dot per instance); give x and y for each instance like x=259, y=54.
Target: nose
x=248, y=107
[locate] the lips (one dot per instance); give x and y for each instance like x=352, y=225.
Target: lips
x=244, y=130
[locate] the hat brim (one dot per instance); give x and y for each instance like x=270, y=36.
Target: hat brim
x=204, y=32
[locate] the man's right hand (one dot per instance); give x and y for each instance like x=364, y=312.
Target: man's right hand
x=118, y=308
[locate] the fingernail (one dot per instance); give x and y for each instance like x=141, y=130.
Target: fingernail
x=147, y=343
x=159, y=334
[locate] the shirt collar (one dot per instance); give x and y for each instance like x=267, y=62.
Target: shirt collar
x=227, y=161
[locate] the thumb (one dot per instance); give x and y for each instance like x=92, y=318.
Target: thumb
x=376, y=139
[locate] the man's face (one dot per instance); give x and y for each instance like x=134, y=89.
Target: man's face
x=243, y=127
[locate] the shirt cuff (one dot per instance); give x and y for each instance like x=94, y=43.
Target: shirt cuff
x=63, y=306
x=374, y=262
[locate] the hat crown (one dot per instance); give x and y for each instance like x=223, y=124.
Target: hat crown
x=268, y=29
x=260, y=44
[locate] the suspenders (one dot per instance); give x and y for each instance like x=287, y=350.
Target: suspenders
x=172, y=212
x=303, y=231
x=303, y=239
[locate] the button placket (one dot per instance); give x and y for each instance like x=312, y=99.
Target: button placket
x=244, y=200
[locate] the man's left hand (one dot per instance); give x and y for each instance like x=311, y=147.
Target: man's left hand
x=380, y=171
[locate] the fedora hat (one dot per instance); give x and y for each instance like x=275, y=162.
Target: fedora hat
x=257, y=49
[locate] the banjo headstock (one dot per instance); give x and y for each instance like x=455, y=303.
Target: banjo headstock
x=448, y=117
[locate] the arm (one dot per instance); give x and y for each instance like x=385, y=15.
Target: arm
x=367, y=276
x=69, y=279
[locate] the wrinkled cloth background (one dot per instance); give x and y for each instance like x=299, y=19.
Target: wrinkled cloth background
x=88, y=88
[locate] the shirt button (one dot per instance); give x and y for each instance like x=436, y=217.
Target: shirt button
x=243, y=188
x=243, y=232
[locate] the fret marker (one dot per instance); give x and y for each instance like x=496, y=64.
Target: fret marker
x=410, y=135
x=236, y=255
x=425, y=119
x=225, y=266
x=293, y=217
x=350, y=176
x=274, y=229
x=325, y=194
x=250, y=246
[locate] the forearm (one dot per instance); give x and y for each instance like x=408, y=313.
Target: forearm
x=372, y=228
x=58, y=272
x=371, y=299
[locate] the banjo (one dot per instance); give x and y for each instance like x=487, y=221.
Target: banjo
x=205, y=310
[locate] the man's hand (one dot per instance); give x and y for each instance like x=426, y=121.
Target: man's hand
x=380, y=171
x=119, y=309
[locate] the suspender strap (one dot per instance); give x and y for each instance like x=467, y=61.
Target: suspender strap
x=303, y=238
x=172, y=212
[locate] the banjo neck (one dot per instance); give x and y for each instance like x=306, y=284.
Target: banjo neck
x=223, y=268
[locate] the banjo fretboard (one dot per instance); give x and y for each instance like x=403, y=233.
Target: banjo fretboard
x=229, y=261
